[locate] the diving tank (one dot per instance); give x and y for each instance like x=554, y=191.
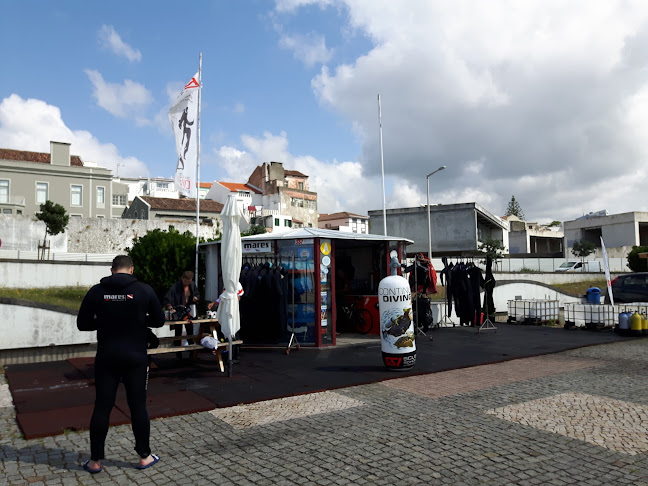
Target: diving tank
x=397, y=338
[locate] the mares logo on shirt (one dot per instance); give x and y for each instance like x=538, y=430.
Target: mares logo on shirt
x=118, y=297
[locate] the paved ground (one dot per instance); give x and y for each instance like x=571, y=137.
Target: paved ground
x=577, y=417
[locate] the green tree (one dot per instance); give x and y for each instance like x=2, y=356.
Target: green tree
x=514, y=208
x=492, y=248
x=583, y=248
x=255, y=229
x=635, y=263
x=160, y=257
x=55, y=219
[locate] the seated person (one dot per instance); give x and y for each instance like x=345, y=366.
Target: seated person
x=239, y=293
x=212, y=306
x=182, y=293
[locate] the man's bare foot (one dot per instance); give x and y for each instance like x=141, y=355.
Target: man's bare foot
x=148, y=461
x=92, y=466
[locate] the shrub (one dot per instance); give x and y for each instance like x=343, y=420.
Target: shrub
x=635, y=263
x=160, y=257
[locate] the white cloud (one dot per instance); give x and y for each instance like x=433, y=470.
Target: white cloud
x=31, y=124
x=341, y=186
x=121, y=100
x=292, y=5
x=308, y=48
x=544, y=100
x=111, y=40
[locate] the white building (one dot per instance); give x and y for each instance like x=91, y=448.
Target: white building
x=620, y=232
x=258, y=209
x=534, y=239
x=344, y=221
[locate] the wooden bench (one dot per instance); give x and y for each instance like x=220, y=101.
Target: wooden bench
x=207, y=328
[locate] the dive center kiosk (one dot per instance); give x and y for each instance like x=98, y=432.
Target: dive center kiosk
x=308, y=284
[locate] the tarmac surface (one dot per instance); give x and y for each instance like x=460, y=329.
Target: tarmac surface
x=578, y=416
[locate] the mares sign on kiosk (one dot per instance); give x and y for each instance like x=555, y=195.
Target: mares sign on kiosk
x=396, y=327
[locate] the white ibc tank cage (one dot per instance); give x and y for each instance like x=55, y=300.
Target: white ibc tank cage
x=591, y=315
x=532, y=311
x=599, y=316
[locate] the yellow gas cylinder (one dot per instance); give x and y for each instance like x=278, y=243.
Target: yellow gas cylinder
x=644, y=324
x=635, y=324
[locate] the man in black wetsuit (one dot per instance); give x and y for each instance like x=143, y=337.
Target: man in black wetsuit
x=120, y=309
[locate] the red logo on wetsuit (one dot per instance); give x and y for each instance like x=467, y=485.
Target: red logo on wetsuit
x=129, y=296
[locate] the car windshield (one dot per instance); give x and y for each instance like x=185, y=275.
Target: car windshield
x=567, y=265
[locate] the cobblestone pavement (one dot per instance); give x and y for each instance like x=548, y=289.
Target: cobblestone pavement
x=577, y=417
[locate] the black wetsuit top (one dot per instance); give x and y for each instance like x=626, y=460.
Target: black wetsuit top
x=120, y=309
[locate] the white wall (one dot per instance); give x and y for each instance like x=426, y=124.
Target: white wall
x=617, y=264
x=87, y=235
x=28, y=327
x=42, y=274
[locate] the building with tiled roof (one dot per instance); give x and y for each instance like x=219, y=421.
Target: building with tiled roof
x=147, y=207
x=247, y=196
x=28, y=179
x=286, y=191
x=344, y=221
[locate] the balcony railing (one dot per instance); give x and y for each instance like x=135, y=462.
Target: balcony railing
x=14, y=201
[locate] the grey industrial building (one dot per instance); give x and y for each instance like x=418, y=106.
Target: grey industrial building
x=456, y=229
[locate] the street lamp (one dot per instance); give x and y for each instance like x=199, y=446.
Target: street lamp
x=428, y=210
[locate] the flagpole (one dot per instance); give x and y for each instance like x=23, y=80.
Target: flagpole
x=198, y=168
x=382, y=169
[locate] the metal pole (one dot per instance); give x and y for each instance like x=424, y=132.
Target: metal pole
x=198, y=168
x=429, y=224
x=382, y=169
x=428, y=210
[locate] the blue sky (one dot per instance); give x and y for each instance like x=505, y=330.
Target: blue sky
x=544, y=101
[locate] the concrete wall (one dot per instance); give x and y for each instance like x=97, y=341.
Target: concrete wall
x=452, y=230
x=455, y=228
x=44, y=274
x=34, y=332
x=519, y=289
x=518, y=242
x=87, y=235
x=617, y=229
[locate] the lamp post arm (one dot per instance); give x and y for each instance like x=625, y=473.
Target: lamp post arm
x=428, y=210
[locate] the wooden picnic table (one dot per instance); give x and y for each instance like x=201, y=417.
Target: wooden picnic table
x=208, y=327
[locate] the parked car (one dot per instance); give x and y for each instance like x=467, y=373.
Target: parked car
x=588, y=266
x=631, y=287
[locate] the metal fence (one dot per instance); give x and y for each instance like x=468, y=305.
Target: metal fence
x=552, y=264
x=57, y=256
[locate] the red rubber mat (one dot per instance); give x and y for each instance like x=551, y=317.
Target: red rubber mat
x=43, y=375
x=58, y=420
x=74, y=394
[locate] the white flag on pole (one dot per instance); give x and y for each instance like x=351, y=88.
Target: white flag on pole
x=183, y=116
x=606, y=264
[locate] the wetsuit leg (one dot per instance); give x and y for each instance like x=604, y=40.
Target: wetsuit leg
x=106, y=383
x=177, y=329
x=135, y=381
x=178, y=332
x=189, y=329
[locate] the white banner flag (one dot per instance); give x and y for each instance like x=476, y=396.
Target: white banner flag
x=606, y=264
x=183, y=116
